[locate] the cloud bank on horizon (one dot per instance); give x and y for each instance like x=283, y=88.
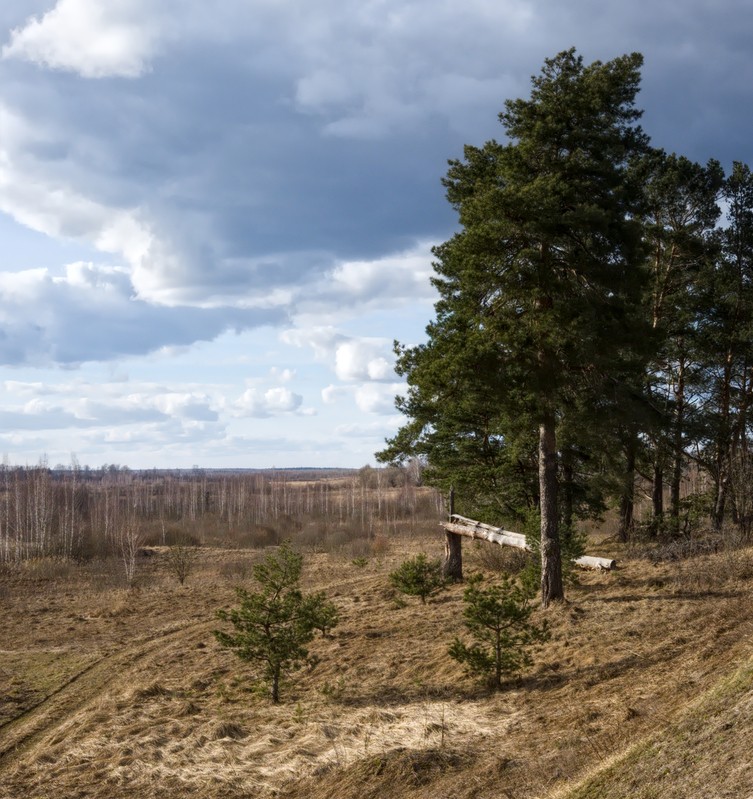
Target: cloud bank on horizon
x=216, y=218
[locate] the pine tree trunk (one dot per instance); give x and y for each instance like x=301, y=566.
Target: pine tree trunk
x=657, y=499
x=674, y=494
x=720, y=502
x=678, y=455
x=276, y=684
x=724, y=444
x=627, y=500
x=452, y=568
x=551, y=560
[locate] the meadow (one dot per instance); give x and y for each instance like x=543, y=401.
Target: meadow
x=113, y=684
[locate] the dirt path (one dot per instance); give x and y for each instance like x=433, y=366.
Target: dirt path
x=21, y=734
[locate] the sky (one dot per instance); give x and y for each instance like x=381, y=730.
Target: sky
x=217, y=217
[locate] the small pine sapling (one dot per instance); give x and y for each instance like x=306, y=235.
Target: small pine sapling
x=418, y=576
x=274, y=624
x=499, y=619
x=323, y=614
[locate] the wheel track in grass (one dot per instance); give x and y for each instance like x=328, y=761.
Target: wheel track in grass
x=19, y=735
x=112, y=669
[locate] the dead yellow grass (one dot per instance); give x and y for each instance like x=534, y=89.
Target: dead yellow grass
x=160, y=710
x=705, y=754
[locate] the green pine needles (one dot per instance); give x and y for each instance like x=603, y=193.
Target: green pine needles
x=418, y=576
x=539, y=323
x=498, y=617
x=274, y=624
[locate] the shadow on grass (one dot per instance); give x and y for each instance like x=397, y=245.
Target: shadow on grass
x=673, y=597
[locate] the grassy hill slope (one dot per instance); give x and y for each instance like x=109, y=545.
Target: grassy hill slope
x=110, y=693
x=706, y=754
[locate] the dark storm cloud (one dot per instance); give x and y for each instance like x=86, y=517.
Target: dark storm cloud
x=696, y=88
x=91, y=314
x=200, y=141
x=254, y=147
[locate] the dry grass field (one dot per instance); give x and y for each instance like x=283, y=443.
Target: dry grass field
x=645, y=688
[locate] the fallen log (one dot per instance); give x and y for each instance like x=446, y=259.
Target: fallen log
x=495, y=535
x=473, y=529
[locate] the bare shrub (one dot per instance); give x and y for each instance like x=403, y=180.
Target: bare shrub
x=349, y=540
x=338, y=539
x=501, y=559
x=181, y=559
x=380, y=545
x=258, y=537
x=49, y=569
x=87, y=546
x=288, y=526
x=130, y=541
x=359, y=548
x=236, y=570
x=312, y=536
x=158, y=533
x=708, y=572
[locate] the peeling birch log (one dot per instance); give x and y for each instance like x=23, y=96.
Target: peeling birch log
x=473, y=529
x=495, y=535
x=591, y=562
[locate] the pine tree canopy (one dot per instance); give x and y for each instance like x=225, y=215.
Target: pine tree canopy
x=539, y=320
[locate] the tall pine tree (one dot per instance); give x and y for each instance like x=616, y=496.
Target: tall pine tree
x=539, y=290
x=680, y=214
x=726, y=332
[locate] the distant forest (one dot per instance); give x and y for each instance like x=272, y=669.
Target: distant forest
x=79, y=513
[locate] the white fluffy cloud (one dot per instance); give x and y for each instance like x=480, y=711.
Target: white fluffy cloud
x=133, y=409
x=364, y=366
x=189, y=406
x=353, y=287
x=363, y=359
x=259, y=403
x=93, y=38
x=322, y=340
x=282, y=375
x=402, y=275
x=351, y=358
x=332, y=393
x=378, y=398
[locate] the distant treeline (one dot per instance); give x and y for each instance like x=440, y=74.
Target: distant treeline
x=79, y=512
